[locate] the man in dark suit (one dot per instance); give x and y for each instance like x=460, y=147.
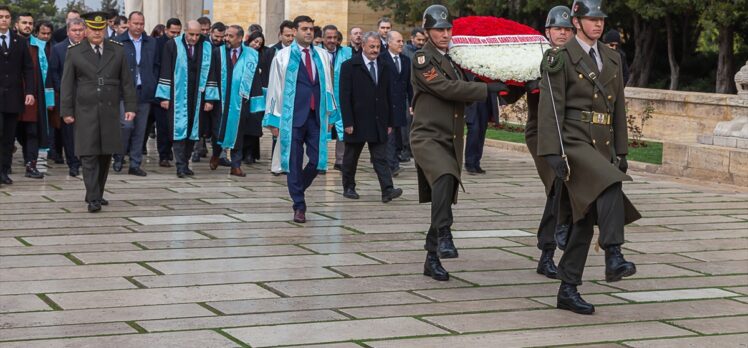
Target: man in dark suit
x=75, y=33
x=477, y=116
x=384, y=25
x=367, y=116
x=401, y=93
x=355, y=38
x=16, y=88
x=95, y=79
x=61, y=34
x=163, y=136
x=140, y=52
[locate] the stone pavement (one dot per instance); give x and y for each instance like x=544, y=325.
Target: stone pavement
x=214, y=261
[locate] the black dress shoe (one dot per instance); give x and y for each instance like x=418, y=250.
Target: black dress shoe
x=433, y=268
x=32, y=172
x=5, y=179
x=103, y=202
x=73, y=171
x=137, y=172
x=94, y=206
x=479, y=170
x=446, y=248
x=616, y=267
x=299, y=216
x=569, y=299
x=181, y=175
x=350, y=193
x=164, y=163
x=224, y=162
x=322, y=172
x=471, y=170
x=391, y=194
x=546, y=266
x=188, y=172
x=195, y=157
x=117, y=166
x=561, y=235
x=338, y=167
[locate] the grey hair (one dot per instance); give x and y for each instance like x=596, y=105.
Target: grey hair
x=370, y=34
x=72, y=21
x=390, y=33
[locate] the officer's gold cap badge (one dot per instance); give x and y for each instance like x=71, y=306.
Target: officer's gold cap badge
x=95, y=20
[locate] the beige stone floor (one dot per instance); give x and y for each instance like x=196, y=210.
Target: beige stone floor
x=214, y=261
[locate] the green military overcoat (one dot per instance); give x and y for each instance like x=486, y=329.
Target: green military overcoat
x=588, y=146
x=546, y=173
x=440, y=93
x=91, y=90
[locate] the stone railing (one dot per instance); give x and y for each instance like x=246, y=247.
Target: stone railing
x=681, y=117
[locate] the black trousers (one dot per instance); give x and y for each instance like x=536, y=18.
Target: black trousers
x=607, y=212
x=95, y=172
x=547, y=227
x=183, y=153
x=8, y=123
x=442, y=194
x=28, y=137
x=378, y=152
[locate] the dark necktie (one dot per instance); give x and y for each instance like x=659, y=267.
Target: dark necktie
x=451, y=63
x=234, y=57
x=97, y=48
x=594, y=58
x=192, y=51
x=397, y=63
x=308, y=63
x=5, y=44
x=373, y=72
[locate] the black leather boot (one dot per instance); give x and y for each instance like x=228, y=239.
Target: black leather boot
x=569, y=299
x=433, y=268
x=546, y=266
x=616, y=267
x=32, y=172
x=446, y=248
x=561, y=235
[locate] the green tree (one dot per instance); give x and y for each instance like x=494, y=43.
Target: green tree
x=727, y=16
x=39, y=9
x=107, y=5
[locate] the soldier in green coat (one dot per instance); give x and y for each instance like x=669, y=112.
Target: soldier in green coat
x=581, y=98
x=436, y=138
x=94, y=80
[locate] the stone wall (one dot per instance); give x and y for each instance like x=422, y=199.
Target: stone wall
x=242, y=12
x=681, y=117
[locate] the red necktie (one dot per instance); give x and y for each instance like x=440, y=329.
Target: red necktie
x=308, y=63
x=234, y=57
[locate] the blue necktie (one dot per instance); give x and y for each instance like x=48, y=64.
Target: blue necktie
x=373, y=72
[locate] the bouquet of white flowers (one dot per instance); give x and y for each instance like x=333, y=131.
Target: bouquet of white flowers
x=497, y=49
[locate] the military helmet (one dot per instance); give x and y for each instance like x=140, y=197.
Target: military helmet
x=436, y=17
x=588, y=8
x=559, y=16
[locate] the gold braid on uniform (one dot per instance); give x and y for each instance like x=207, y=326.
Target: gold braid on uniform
x=553, y=61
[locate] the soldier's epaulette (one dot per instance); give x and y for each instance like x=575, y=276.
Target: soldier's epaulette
x=115, y=42
x=74, y=44
x=553, y=59
x=420, y=59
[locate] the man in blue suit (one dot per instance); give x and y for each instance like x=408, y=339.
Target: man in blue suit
x=401, y=93
x=298, y=108
x=76, y=31
x=141, y=54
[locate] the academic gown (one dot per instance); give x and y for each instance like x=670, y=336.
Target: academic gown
x=342, y=55
x=279, y=106
x=187, y=83
x=43, y=92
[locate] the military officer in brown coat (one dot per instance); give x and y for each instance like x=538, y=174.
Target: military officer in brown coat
x=440, y=94
x=94, y=80
x=558, y=30
x=581, y=98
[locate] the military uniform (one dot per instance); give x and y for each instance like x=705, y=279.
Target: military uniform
x=440, y=94
x=590, y=109
x=91, y=90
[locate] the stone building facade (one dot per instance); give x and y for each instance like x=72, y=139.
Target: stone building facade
x=345, y=14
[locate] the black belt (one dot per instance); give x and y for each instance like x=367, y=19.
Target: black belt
x=589, y=116
x=100, y=82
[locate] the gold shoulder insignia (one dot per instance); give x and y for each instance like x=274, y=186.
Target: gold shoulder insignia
x=115, y=42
